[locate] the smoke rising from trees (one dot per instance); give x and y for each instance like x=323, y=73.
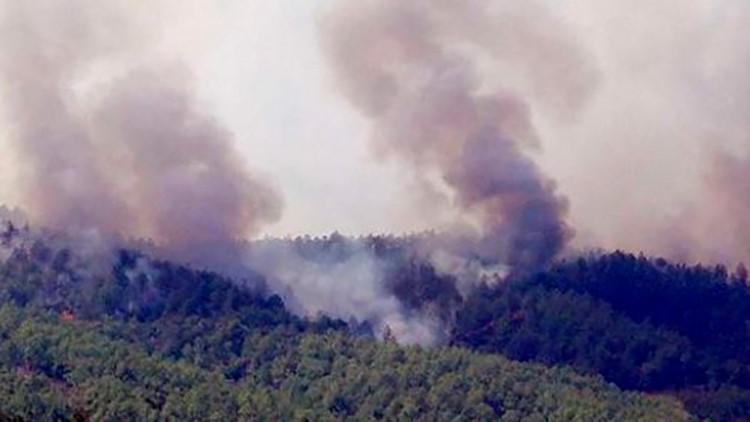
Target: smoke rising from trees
x=412, y=68
x=110, y=143
x=640, y=111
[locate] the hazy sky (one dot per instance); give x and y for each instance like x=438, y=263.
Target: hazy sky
x=262, y=69
x=636, y=153
x=670, y=92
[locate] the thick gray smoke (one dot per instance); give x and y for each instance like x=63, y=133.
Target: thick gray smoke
x=108, y=143
x=415, y=69
x=642, y=109
x=341, y=278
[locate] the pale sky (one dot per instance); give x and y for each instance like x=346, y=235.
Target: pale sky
x=261, y=68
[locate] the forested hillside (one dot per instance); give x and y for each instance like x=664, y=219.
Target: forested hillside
x=105, y=371
x=152, y=340
x=644, y=324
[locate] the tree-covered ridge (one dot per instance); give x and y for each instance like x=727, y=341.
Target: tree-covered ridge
x=708, y=305
x=642, y=323
x=45, y=273
x=51, y=368
x=130, y=337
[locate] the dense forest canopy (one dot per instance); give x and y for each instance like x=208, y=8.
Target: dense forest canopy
x=125, y=371
x=150, y=339
x=644, y=324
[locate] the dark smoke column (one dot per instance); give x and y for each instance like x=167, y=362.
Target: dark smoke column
x=412, y=68
x=135, y=156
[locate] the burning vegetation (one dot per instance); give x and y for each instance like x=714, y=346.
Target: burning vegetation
x=134, y=258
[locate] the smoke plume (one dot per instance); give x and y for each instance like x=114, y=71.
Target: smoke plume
x=641, y=109
x=415, y=70
x=110, y=143
x=655, y=163
x=342, y=278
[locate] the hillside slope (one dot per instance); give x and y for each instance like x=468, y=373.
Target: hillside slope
x=644, y=324
x=140, y=339
x=60, y=369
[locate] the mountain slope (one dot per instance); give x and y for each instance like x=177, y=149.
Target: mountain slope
x=130, y=337
x=53, y=368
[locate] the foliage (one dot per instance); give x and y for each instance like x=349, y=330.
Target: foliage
x=130, y=337
x=642, y=323
x=102, y=371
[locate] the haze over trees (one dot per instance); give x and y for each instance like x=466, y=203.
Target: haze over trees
x=151, y=339
x=510, y=126
x=642, y=324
